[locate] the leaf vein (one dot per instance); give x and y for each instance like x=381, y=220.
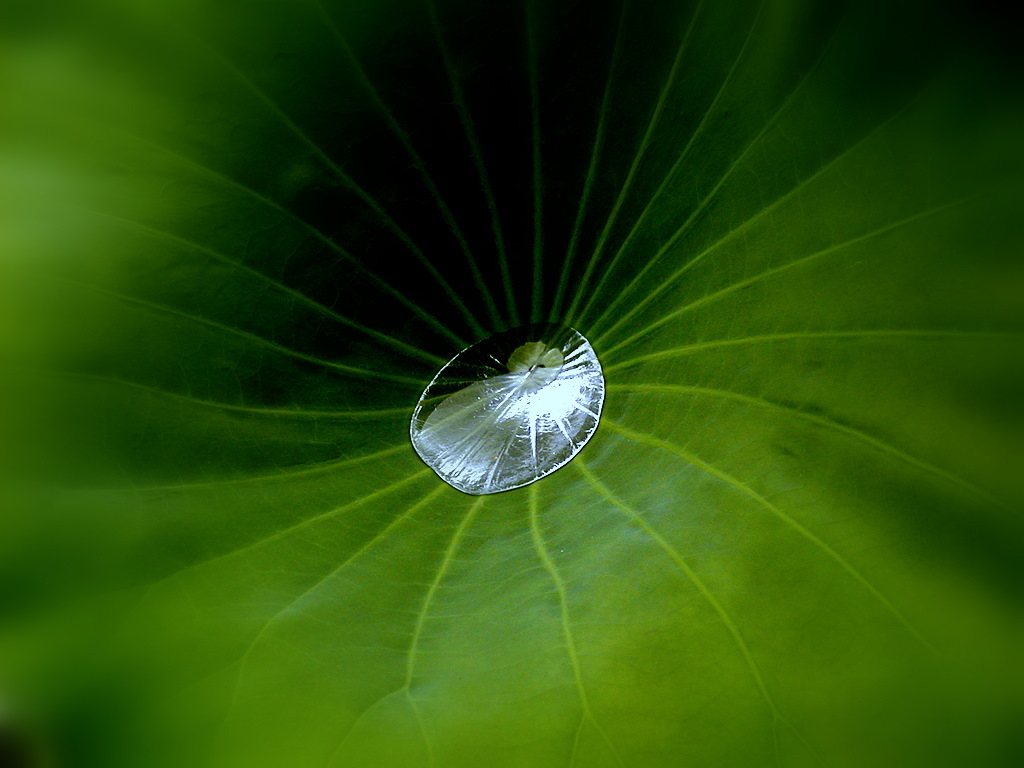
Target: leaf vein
x=799, y=528
x=567, y=633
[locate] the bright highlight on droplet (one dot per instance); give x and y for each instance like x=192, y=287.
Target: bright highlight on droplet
x=510, y=409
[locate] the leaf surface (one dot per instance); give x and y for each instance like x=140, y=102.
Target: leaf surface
x=238, y=241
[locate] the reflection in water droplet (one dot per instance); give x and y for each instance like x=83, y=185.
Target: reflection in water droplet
x=510, y=409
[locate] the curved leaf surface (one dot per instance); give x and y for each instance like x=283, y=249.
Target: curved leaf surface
x=239, y=239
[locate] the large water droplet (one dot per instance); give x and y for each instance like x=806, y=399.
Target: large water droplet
x=510, y=409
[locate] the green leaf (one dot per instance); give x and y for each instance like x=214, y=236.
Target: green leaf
x=237, y=241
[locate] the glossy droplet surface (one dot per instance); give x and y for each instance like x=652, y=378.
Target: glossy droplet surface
x=510, y=409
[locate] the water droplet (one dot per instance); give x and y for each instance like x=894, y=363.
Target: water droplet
x=510, y=409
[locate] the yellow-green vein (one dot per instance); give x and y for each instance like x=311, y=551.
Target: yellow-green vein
x=285, y=532
x=421, y=617
x=879, y=333
x=645, y=142
x=316, y=585
x=345, y=178
x=740, y=284
x=802, y=530
x=624, y=291
x=291, y=413
x=698, y=131
x=253, y=338
x=762, y=213
x=316, y=469
x=333, y=246
x=821, y=421
x=691, y=575
x=567, y=634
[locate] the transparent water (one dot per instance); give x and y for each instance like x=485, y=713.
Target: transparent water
x=510, y=409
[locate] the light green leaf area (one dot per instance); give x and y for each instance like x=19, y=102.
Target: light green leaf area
x=237, y=240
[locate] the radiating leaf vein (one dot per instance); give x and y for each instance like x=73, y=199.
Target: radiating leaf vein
x=466, y=118
x=295, y=527
x=291, y=413
x=253, y=338
x=320, y=236
x=641, y=151
x=697, y=132
x=381, y=535
x=346, y=179
x=567, y=633
x=768, y=273
x=637, y=519
x=591, y=175
x=823, y=169
x=802, y=530
x=417, y=162
x=822, y=421
x=871, y=333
